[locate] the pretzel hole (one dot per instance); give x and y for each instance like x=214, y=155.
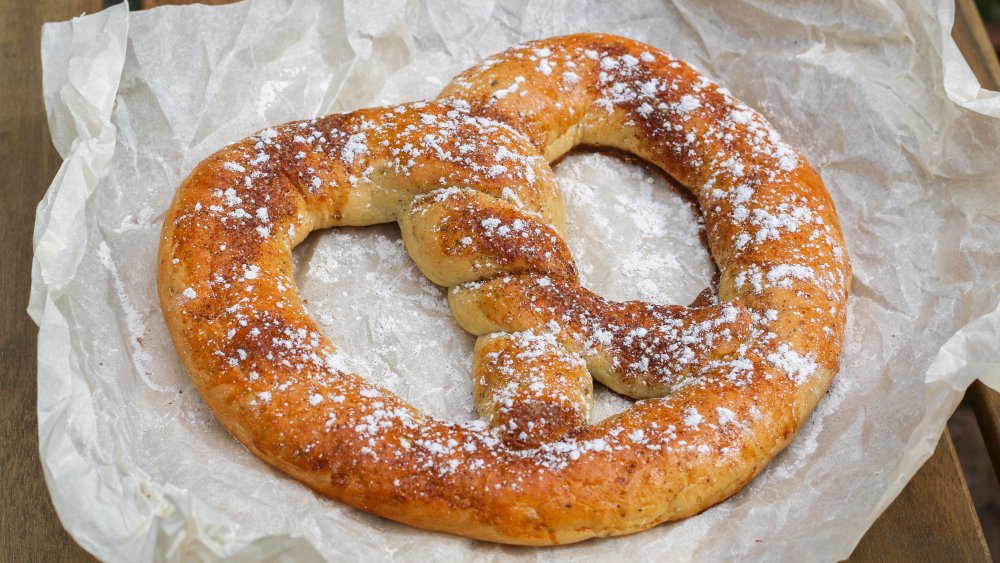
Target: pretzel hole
x=653, y=247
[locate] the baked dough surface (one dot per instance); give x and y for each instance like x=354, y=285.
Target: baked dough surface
x=724, y=384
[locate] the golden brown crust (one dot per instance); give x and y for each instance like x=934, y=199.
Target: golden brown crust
x=462, y=235
x=635, y=348
x=530, y=387
x=762, y=357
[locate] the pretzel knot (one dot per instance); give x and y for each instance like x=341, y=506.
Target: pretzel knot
x=724, y=383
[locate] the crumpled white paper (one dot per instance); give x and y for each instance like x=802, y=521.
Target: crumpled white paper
x=138, y=469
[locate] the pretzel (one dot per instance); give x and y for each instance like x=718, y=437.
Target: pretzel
x=724, y=384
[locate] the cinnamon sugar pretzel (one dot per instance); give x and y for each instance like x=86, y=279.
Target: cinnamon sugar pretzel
x=724, y=385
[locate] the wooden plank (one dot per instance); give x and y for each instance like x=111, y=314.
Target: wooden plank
x=993, y=32
x=971, y=37
x=986, y=403
x=29, y=528
x=933, y=519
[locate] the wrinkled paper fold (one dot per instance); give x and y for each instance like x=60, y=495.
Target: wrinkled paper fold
x=139, y=470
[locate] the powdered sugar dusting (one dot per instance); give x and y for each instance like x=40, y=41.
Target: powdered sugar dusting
x=392, y=319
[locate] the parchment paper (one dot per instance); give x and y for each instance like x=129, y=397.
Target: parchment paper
x=875, y=94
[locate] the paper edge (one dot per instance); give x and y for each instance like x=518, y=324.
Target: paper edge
x=960, y=83
x=88, y=159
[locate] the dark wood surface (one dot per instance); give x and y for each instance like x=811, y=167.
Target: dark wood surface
x=29, y=529
x=932, y=520
x=987, y=404
x=972, y=39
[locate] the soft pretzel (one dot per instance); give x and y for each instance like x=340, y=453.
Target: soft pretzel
x=725, y=385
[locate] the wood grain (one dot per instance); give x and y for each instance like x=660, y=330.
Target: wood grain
x=971, y=37
x=933, y=519
x=986, y=403
x=29, y=529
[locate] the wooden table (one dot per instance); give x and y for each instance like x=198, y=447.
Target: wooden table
x=932, y=520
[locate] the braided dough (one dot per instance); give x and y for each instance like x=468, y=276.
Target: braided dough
x=725, y=384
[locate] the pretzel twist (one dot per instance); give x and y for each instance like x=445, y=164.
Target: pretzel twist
x=467, y=179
